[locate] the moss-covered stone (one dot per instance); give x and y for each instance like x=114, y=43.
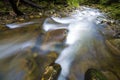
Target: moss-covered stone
x=93, y=74
x=51, y=72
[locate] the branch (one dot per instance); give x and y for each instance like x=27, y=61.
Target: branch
x=32, y=4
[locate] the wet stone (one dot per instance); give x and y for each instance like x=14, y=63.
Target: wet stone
x=3, y=28
x=110, y=75
x=58, y=35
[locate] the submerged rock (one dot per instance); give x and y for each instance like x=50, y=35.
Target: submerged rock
x=114, y=46
x=36, y=66
x=53, y=39
x=51, y=72
x=57, y=35
x=27, y=65
x=93, y=74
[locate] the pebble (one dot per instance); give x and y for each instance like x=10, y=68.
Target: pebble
x=35, y=55
x=31, y=16
x=21, y=19
x=40, y=14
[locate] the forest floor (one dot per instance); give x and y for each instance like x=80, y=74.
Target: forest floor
x=8, y=16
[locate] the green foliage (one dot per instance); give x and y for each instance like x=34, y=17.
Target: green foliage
x=82, y=1
x=73, y=3
x=104, y=1
x=93, y=1
x=108, y=2
x=77, y=2
x=114, y=10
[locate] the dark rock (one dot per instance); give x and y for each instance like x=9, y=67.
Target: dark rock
x=117, y=35
x=93, y=74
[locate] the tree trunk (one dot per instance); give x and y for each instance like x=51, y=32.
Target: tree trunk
x=15, y=8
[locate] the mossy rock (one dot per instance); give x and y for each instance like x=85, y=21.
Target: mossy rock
x=51, y=72
x=93, y=74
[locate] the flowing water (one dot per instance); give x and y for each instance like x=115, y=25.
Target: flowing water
x=84, y=46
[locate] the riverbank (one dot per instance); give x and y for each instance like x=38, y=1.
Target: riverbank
x=8, y=16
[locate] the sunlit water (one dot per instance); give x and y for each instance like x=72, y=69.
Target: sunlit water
x=84, y=45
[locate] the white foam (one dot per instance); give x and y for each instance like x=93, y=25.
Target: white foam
x=15, y=25
x=81, y=25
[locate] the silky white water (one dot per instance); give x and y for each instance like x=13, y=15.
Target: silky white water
x=85, y=43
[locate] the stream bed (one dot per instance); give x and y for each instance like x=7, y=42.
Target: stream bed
x=77, y=42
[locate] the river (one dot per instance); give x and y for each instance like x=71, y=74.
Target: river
x=83, y=46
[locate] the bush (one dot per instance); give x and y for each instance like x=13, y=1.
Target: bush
x=108, y=2
x=73, y=3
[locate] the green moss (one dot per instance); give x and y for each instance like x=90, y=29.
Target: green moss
x=93, y=74
x=73, y=3
x=104, y=1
